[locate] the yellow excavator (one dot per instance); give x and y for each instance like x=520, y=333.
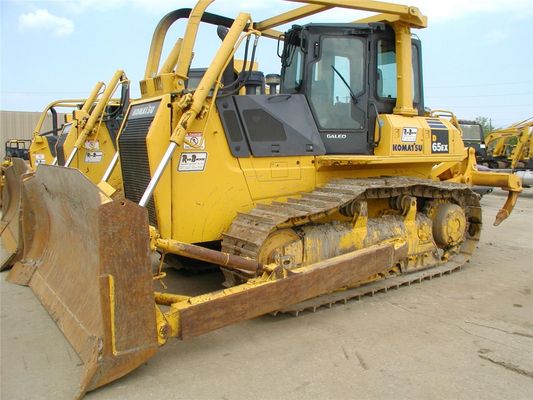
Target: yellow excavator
x=334, y=181
x=511, y=147
x=88, y=137
x=511, y=150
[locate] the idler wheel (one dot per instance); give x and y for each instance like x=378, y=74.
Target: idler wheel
x=449, y=225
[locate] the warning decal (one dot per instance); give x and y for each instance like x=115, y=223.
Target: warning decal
x=92, y=145
x=192, y=162
x=39, y=159
x=196, y=141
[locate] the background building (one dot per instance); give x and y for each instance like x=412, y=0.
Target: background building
x=20, y=125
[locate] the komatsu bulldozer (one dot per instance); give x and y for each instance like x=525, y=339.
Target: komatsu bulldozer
x=334, y=181
x=88, y=137
x=89, y=142
x=41, y=150
x=42, y=144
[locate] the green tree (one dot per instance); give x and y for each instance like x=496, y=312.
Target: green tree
x=485, y=124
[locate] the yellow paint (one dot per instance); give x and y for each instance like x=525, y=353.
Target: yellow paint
x=199, y=205
x=86, y=131
x=205, y=202
x=285, y=175
x=39, y=146
x=93, y=170
x=111, y=286
x=158, y=143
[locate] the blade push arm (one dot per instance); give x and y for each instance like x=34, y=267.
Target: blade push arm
x=96, y=114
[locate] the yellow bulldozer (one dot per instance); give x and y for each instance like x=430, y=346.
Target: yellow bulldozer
x=20, y=160
x=333, y=180
x=42, y=149
x=88, y=138
x=42, y=144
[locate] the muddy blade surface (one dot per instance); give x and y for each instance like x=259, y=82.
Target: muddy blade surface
x=11, y=235
x=87, y=260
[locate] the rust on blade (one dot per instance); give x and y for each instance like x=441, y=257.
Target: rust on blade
x=86, y=258
x=326, y=276
x=11, y=235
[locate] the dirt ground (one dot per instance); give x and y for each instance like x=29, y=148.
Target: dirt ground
x=468, y=335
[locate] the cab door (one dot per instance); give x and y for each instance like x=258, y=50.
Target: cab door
x=337, y=91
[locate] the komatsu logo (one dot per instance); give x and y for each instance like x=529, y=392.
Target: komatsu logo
x=141, y=111
x=336, y=136
x=406, y=147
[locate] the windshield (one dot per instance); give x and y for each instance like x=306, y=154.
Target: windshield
x=330, y=96
x=471, y=132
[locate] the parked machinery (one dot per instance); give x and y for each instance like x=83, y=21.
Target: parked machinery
x=511, y=147
x=42, y=149
x=18, y=148
x=473, y=137
x=511, y=150
x=89, y=140
x=337, y=180
x=19, y=161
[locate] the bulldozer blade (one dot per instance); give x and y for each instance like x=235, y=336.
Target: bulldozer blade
x=87, y=259
x=11, y=234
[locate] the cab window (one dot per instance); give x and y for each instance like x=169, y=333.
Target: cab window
x=293, y=76
x=386, y=73
x=329, y=95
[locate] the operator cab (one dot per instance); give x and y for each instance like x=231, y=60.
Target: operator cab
x=473, y=137
x=335, y=79
x=348, y=74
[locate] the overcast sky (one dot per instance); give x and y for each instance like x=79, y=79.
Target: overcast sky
x=478, y=54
